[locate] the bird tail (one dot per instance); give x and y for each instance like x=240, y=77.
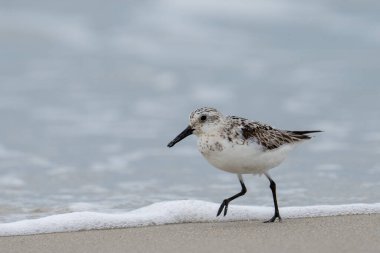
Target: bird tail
x=306, y=132
x=302, y=135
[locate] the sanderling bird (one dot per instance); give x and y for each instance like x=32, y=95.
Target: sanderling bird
x=241, y=146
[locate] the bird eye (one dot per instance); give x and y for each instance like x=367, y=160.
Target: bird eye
x=203, y=117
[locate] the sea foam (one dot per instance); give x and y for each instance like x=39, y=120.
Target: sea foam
x=171, y=212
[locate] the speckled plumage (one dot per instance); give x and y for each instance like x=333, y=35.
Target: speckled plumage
x=240, y=146
x=241, y=131
x=266, y=136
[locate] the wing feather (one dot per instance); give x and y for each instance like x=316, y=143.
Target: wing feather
x=267, y=136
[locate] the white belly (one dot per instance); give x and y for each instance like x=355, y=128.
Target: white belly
x=241, y=158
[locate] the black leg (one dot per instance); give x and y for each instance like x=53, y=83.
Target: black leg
x=225, y=202
x=276, y=211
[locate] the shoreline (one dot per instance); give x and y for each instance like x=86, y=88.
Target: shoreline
x=345, y=233
x=172, y=212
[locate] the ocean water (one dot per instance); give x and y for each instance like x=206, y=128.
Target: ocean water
x=91, y=92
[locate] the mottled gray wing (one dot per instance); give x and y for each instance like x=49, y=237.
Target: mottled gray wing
x=271, y=138
x=265, y=135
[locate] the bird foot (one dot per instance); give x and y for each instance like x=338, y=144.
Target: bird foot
x=273, y=219
x=224, y=206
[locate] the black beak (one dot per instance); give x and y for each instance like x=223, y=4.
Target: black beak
x=188, y=131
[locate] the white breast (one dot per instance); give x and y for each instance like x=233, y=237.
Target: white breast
x=241, y=158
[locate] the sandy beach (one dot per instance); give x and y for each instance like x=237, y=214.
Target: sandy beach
x=351, y=233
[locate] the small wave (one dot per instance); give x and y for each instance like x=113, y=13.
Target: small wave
x=171, y=212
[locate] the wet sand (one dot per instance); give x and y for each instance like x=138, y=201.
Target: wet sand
x=351, y=233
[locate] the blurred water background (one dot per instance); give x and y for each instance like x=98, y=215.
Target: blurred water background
x=92, y=91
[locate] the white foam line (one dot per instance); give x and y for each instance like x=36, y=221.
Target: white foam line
x=172, y=212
